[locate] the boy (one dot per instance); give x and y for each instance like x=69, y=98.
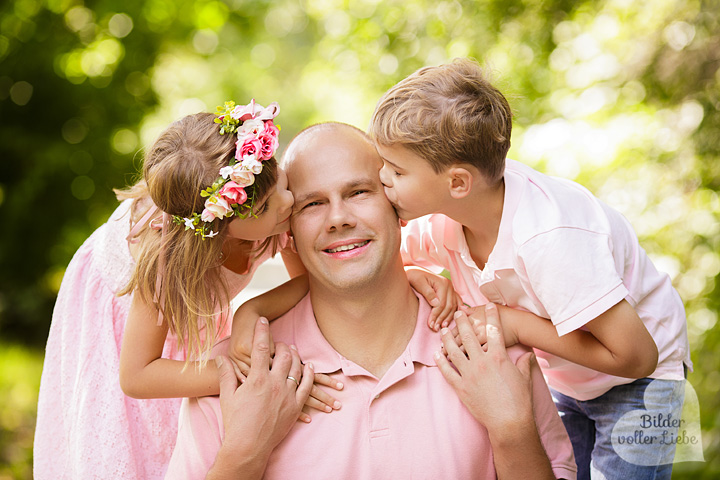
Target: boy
x=579, y=286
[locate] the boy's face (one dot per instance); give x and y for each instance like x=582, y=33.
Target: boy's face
x=411, y=185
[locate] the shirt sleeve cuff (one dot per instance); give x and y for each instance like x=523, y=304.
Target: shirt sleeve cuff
x=592, y=311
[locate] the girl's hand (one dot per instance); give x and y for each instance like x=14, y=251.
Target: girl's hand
x=318, y=399
x=438, y=292
x=241, y=338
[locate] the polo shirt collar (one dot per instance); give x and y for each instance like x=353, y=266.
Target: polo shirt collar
x=325, y=359
x=502, y=254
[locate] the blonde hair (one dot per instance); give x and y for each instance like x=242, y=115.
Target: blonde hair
x=185, y=159
x=447, y=115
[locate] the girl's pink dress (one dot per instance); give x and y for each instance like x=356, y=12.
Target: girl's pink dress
x=87, y=428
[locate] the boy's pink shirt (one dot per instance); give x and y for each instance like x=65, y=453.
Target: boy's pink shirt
x=409, y=424
x=561, y=254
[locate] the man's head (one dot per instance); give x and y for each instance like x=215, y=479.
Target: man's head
x=443, y=117
x=346, y=232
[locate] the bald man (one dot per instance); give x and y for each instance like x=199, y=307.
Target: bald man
x=407, y=413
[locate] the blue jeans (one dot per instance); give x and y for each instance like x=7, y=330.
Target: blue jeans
x=628, y=433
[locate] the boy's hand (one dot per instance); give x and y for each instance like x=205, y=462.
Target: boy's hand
x=497, y=392
x=438, y=292
x=478, y=320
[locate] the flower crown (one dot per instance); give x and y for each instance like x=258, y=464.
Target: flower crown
x=257, y=140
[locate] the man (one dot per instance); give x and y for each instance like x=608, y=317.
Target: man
x=363, y=324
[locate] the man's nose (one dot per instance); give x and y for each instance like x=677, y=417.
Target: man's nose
x=340, y=216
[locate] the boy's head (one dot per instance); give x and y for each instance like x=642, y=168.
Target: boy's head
x=447, y=115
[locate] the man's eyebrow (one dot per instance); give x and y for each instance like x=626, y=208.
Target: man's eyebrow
x=365, y=183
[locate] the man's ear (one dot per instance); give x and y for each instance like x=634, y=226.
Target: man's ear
x=460, y=182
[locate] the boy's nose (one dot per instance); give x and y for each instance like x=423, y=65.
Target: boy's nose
x=385, y=177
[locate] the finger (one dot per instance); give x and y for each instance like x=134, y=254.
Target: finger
x=306, y=384
x=450, y=374
x=241, y=369
x=313, y=402
x=228, y=380
x=456, y=356
x=525, y=364
x=325, y=398
x=282, y=361
x=304, y=417
x=467, y=334
x=327, y=381
x=295, y=372
x=495, y=339
x=260, y=355
x=449, y=309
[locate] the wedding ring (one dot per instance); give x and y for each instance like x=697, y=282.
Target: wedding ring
x=290, y=377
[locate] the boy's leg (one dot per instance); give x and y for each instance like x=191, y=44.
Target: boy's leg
x=580, y=429
x=636, y=426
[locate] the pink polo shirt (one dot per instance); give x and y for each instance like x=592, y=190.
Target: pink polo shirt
x=408, y=424
x=561, y=254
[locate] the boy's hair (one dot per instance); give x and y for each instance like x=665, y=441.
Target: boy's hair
x=447, y=115
x=193, y=296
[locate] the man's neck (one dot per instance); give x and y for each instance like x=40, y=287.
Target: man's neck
x=371, y=327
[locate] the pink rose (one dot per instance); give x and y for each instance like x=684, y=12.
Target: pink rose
x=247, y=146
x=269, y=141
x=233, y=193
x=215, y=207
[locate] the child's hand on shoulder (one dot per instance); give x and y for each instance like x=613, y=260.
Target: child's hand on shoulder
x=478, y=320
x=438, y=292
x=240, y=351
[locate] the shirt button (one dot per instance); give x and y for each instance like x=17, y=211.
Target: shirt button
x=377, y=396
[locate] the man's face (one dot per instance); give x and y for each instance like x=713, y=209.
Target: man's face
x=346, y=232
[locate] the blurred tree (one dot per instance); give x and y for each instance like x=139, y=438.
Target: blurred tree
x=621, y=96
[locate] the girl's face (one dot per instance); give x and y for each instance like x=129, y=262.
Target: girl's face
x=273, y=214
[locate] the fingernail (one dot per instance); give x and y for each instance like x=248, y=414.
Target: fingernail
x=490, y=306
x=337, y=405
x=327, y=409
x=310, y=365
x=340, y=385
x=263, y=320
x=218, y=361
x=457, y=314
x=444, y=331
x=435, y=302
x=293, y=347
x=437, y=355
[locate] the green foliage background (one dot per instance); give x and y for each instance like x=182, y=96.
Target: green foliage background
x=620, y=95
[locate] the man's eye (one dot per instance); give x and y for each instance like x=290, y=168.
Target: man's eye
x=397, y=174
x=359, y=192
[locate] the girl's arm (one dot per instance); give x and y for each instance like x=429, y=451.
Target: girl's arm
x=616, y=342
x=143, y=371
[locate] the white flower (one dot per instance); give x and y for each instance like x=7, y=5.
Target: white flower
x=252, y=164
x=189, y=223
x=211, y=234
x=252, y=126
x=225, y=172
x=242, y=176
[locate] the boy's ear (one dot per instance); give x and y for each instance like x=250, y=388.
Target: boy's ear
x=460, y=181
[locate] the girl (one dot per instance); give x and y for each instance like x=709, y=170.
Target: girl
x=212, y=207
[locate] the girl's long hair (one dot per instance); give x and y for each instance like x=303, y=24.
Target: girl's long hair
x=193, y=294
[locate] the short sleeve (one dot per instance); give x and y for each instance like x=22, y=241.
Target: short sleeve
x=199, y=439
x=418, y=246
x=572, y=273
x=551, y=430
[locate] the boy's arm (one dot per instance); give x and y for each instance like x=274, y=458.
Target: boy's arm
x=616, y=342
x=143, y=371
